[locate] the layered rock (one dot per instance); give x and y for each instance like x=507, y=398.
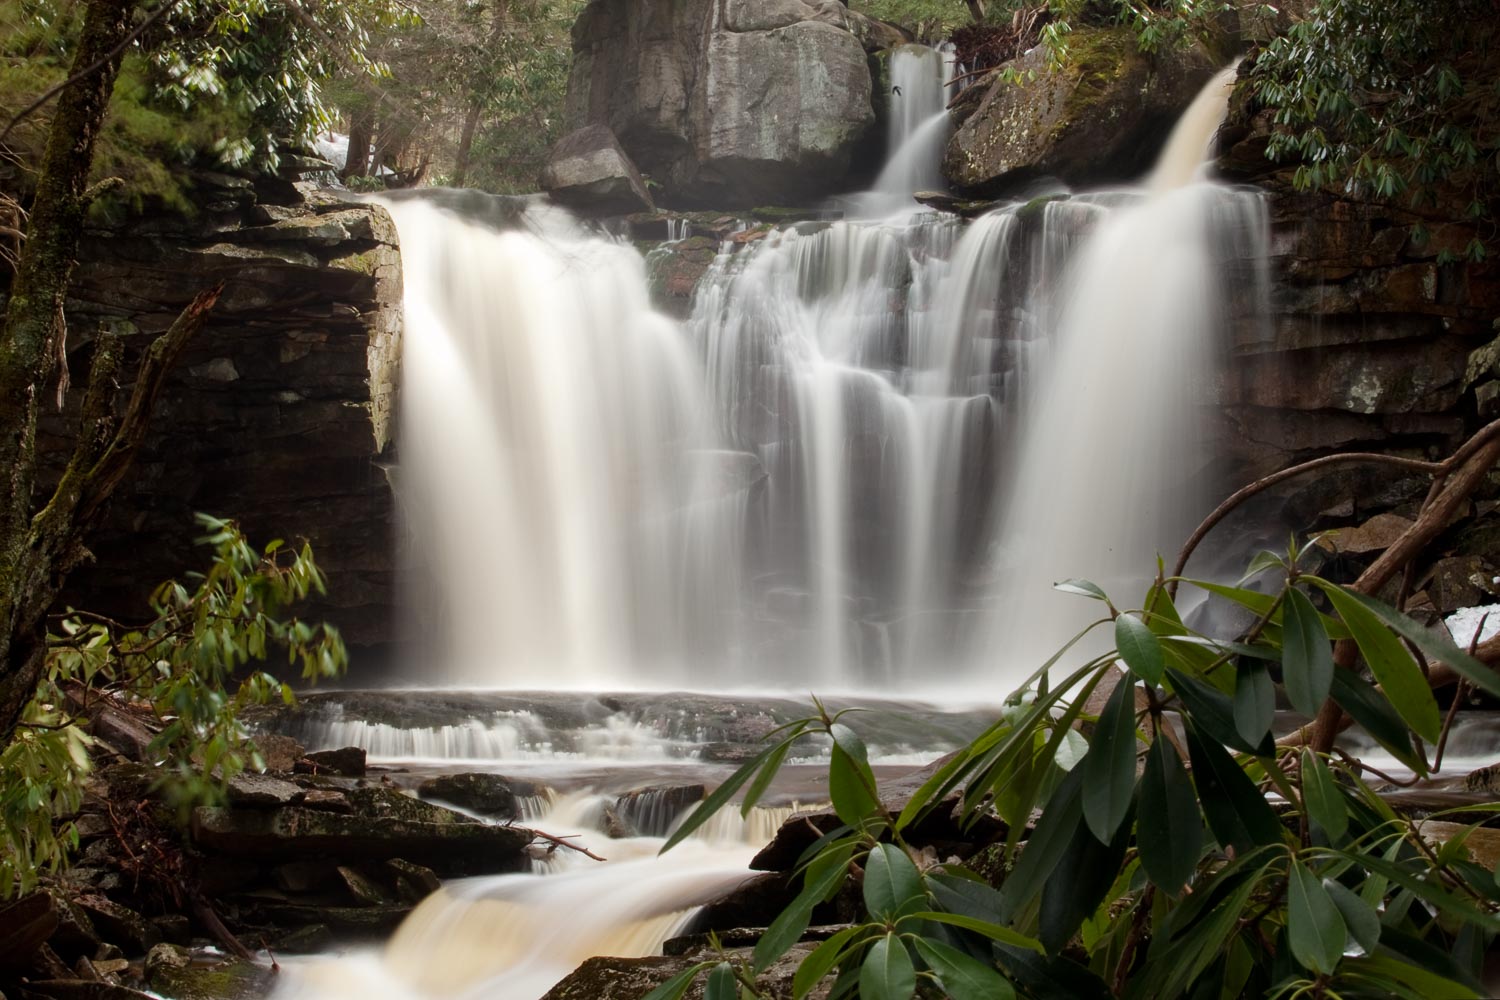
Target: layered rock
x=728, y=102
x=1101, y=116
x=281, y=412
x=1381, y=338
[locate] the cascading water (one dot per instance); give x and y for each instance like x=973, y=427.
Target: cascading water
x=870, y=447
x=862, y=462
x=514, y=936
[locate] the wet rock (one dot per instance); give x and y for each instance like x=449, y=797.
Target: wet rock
x=304, y=876
x=589, y=171
x=348, y=762
x=413, y=882
x=327, y=800
x=74, y=989
x=166, y=957
x=386, y=824
x=674, y=271
x=632, y=978
x=262, y=791
x=233, y=980
x=120, y=924
x=75, y=934
x=174, y=928
x=1102, y=116
x=756, y=902
x=649, y=812
x=280, y=753
x=309, y=940
x=489, y=794
x=356, y=920
x=25, y=926
x=365, y=890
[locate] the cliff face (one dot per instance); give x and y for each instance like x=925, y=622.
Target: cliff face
x=728, y=103
x=280, y=414
x=1378, y=340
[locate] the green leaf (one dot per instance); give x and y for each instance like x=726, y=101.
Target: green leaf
x=993, y=931
x=1424, y=982
x=1307, y=660
x=849, y=786
x=1083, y=588
x=1320, y=793
x=1254, y=701
x=1359, y=917
x=823, y=876
x=1374, y=713
x=1237, y=812
x=1314, y=927
x=962, y=977
x=1139, y=648
x=721, y=983
x=1079, y=885
x=674, y=988
x=1062, y=814
x=821, y=962
x=763, y=778
x=1169, y=828
x=1109, y=766
x=887, y=972
x=1400, y=678
x=893, y=886
x=849, y=741
x=1213, y=712
x=1436, y=643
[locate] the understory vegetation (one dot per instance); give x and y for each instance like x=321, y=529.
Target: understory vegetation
x=191, y=666
x=1138, y=831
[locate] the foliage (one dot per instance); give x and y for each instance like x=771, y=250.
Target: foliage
x=184, y=669
x=230, y=80
x=1388, y=97
x=497, y=71
x=1184, y=853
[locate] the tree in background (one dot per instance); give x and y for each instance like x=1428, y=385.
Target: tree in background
x=474, y=96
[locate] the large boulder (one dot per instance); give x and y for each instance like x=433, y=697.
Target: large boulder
x=589, y=171
x=1101, y=116
x=726, y=102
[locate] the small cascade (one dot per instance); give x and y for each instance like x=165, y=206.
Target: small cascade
x=517, y=935
x=918, y=130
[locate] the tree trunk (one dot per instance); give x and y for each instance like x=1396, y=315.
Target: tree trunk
x=32, y=341
x=357, y=160
x=499, y=14
x=976, y=10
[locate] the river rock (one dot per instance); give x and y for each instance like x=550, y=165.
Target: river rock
x=348, y=762
x=633, y=978
x=589, y=171
x=489, y=794
x=263, y=791
x=726, y=102
x=649, y=812
x=1101, y=116
x=120, y=924
x=25, y=926
x=386, y=825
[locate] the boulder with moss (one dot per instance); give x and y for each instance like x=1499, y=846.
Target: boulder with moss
x=1100, y=116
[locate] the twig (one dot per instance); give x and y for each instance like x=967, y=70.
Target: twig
x=563, y=842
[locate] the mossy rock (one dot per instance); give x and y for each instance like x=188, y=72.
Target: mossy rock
x=221, y=981
x=1100, y=117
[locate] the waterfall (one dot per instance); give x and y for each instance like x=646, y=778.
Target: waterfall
x=862, y=461
x=1111, y=471
x=917, y=132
